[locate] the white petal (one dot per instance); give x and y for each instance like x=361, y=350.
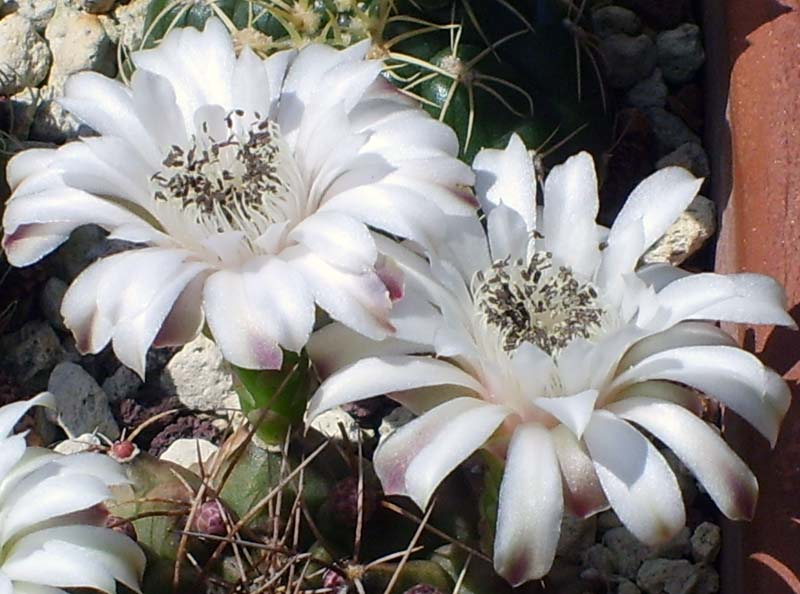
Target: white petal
x=570, y=210
x=419, y=455
x=638, y=482
x=156, y=107
x=573, y=411
x=680, y=335
x=28, y=163
x=508, y=235
x=360, y=301
x=507, y=177
x=744, y=298
x=583, y=495
x=530, y=507
x=251, y=85
x=338, y=239
x=103, y=551
x=381, y=375
x=185, y=321
x=394, y=209
x=134, y=335
x=535, y=368
x=252, y=310
x=656, y=202
x=722, y=473
x=29, y=504
x=733, y=376
x=107, y=106
x=10, y=414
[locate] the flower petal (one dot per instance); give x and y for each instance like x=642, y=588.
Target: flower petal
x=381, y=375
x=733, y=376
x=570, y=209
x=10, y=414
x=744, y=298
x=417, y=457
x=507, y=177
x=530, y=507
x=508, y=235
x=573, y=411
x=722, y=473
x=638, y=482
x=338, y=239
x=252, y=310
x=103, y=551
x=681, y=335
x=360, y=301
x=583, y=495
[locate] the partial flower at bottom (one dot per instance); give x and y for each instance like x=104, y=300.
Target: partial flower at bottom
x=552, y=350
x=51, y=518
x=246, y=185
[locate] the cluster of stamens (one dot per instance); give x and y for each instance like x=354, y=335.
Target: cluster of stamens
x=536, y=302
x=233, y=177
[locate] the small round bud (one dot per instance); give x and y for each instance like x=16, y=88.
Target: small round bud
x=122, y=526
x=210, y=519
x=123, y=451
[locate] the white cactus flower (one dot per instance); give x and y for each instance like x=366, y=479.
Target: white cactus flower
x=552, y=349
x=51, y=534
x=247, y=186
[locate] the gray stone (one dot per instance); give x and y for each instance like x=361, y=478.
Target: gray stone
x=610, y=20
x=667, y=576
x=38, y=12
x=627, y=59
x=84, y=246
x=670, y=131
x=31, y=351
x=79, y=42
x=707, y=580
x=648, y=92
x=683, y=239
x=50, y=302
x=691, y=156
x=627, y=587
x=680, y=52
x=599, y=561
x=123, y=383
x=130, y=20
x=628, y=551
x=24, y=105
x=52, y=123
x=200, y=377
x=97, y=6
x=331, y=422
x=24, y=56
x=706, y=542
x=81, y=405
x=576, y=536
x=394, y=420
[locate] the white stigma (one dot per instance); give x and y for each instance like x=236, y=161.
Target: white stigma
x=536, y=302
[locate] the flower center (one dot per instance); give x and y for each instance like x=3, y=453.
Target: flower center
x=233, y=176
x=536, y=302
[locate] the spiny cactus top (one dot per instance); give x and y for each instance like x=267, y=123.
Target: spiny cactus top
x=247, y=186
x=552, y=343
x=51, y=518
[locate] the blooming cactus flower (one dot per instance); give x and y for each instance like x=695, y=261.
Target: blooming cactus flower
x=553, y=349
x=247, y=186
x=51, y=534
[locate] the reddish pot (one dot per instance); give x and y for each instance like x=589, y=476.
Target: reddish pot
x=754, y=71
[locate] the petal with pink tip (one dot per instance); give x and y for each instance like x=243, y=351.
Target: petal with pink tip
x=530, y=506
